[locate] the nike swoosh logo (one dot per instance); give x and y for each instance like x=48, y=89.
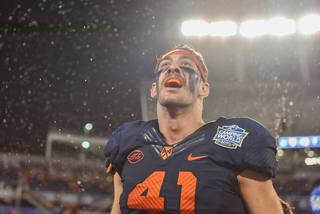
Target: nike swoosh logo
x=190, y=158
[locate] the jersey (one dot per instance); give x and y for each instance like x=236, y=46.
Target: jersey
x=195, y=175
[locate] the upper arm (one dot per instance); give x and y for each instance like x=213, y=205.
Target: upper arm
x=117, y=192
x=258, y=193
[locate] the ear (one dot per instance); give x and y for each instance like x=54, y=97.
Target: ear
x=154, y=90
x=205, y=89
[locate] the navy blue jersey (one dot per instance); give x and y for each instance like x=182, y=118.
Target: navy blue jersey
x=196, y=175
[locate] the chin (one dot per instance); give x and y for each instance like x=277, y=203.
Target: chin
x=172, y=102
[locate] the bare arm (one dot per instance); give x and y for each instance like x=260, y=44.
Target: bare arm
x=258, y=193
x=117, y=192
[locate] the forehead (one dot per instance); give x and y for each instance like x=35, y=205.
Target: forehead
x=174, y=57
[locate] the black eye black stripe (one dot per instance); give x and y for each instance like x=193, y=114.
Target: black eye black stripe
x=187, y=69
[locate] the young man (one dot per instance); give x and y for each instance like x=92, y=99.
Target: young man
x=179, y=164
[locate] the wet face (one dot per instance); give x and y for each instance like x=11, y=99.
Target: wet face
x=193, y=77
x=177, y=80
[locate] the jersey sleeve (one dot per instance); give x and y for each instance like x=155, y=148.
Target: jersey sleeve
x=259, y=150
x=120, y=141
x=112, y=148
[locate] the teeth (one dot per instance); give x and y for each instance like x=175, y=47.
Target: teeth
x=176, y=83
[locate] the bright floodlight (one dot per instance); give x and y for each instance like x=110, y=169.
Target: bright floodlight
x=195, y=28
x=254, y=28
x=85, y=144
x=223, y=29
x=88, y=126
x=309, y=24
x=281, y=26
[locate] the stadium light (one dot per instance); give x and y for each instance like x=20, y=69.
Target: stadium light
x=254, y=28
x=195, y=28
x=299, y=142
x=281, y=26
x=280, y=152
x=85, y=144
x=309, y=24
x=312, y=161
x=88, y=126
x=278, y=26
x=310, y=153
x=223, y=29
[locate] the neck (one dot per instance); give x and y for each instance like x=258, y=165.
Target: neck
x=176, y=123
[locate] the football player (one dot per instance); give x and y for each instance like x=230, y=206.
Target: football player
x=179, y=164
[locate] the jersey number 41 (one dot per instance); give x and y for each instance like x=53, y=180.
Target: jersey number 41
x=146, y=195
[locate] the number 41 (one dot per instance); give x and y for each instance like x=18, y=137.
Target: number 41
x=153, y=202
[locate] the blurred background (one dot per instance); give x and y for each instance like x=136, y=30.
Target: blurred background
x=73, y=71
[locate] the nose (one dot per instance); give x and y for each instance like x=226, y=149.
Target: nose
x=174, y=67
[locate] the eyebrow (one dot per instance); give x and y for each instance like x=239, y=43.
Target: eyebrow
x=182, y=56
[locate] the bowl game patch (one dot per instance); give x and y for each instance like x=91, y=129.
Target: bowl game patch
x=230, y=136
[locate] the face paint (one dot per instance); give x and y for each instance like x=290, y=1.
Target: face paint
x=157, y=78
x=159, y=73
x=191, y=56
x=194, y=77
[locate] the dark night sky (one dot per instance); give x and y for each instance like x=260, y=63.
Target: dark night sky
x=65, y=63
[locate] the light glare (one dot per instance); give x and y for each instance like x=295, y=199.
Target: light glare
x=312, y=161
x=85, y=144
x=280, y=152
x=281, y=26
x=195, y=28
x=310, y=153
x=223, y=29
x=277, y=26
x=292, y=142
x=254, y=28
x=309, y=24
x=88, y=126
x=304, y=141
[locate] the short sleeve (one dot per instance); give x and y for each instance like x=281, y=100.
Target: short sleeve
x=119, y=143
x=112, y=147
x=261, y=157
x=259, y=151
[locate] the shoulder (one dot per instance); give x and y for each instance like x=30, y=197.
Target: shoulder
x=245, y=122
x=255, y=143
x=252, y=130
x=129, y=126
x=127, y=132
x=254, y=133
x=123, y=138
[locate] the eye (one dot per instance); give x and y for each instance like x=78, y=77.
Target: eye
x=164, y=64
x=186, y=64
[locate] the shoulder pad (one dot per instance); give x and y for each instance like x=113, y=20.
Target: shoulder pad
x=257, y=151
x=129, y=129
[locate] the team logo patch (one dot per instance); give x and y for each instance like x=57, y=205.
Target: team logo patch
x=230, y=136
x=166, y=152
x=135, y=156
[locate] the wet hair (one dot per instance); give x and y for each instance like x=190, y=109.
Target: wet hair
x=197, y=54
x=285, y=207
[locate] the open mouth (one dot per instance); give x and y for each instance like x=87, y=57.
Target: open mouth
x=173, y=83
